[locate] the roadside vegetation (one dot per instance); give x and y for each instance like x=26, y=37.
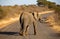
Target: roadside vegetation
x=52, y=6
x=13, y=11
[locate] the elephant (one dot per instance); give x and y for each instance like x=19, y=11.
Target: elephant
x=26, y=19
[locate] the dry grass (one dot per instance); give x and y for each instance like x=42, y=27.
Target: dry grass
x=52, y=22
x=4, y=23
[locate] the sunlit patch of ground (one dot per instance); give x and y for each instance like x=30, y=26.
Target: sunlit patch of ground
x=4, y=23
x=56, y=28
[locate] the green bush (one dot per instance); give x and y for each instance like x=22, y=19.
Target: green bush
x=41, y=2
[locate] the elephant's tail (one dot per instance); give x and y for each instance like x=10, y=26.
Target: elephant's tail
x=21, y=17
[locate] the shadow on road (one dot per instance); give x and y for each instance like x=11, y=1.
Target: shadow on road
x=12, y=33
x=9, y=33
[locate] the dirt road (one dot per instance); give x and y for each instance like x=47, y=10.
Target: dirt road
x=43, y=32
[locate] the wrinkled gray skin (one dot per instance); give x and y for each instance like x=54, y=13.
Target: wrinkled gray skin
x=26, y=19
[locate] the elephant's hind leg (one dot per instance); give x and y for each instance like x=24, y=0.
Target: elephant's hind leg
x=27, y=28
x=22, y=28
x=34, y=26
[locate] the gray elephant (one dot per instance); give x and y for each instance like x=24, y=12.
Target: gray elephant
x=26, y=19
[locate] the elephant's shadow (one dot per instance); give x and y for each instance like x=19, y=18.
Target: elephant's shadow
x=9, y=33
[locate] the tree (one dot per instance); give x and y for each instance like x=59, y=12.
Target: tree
x=51, y=4
x=41, y=2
